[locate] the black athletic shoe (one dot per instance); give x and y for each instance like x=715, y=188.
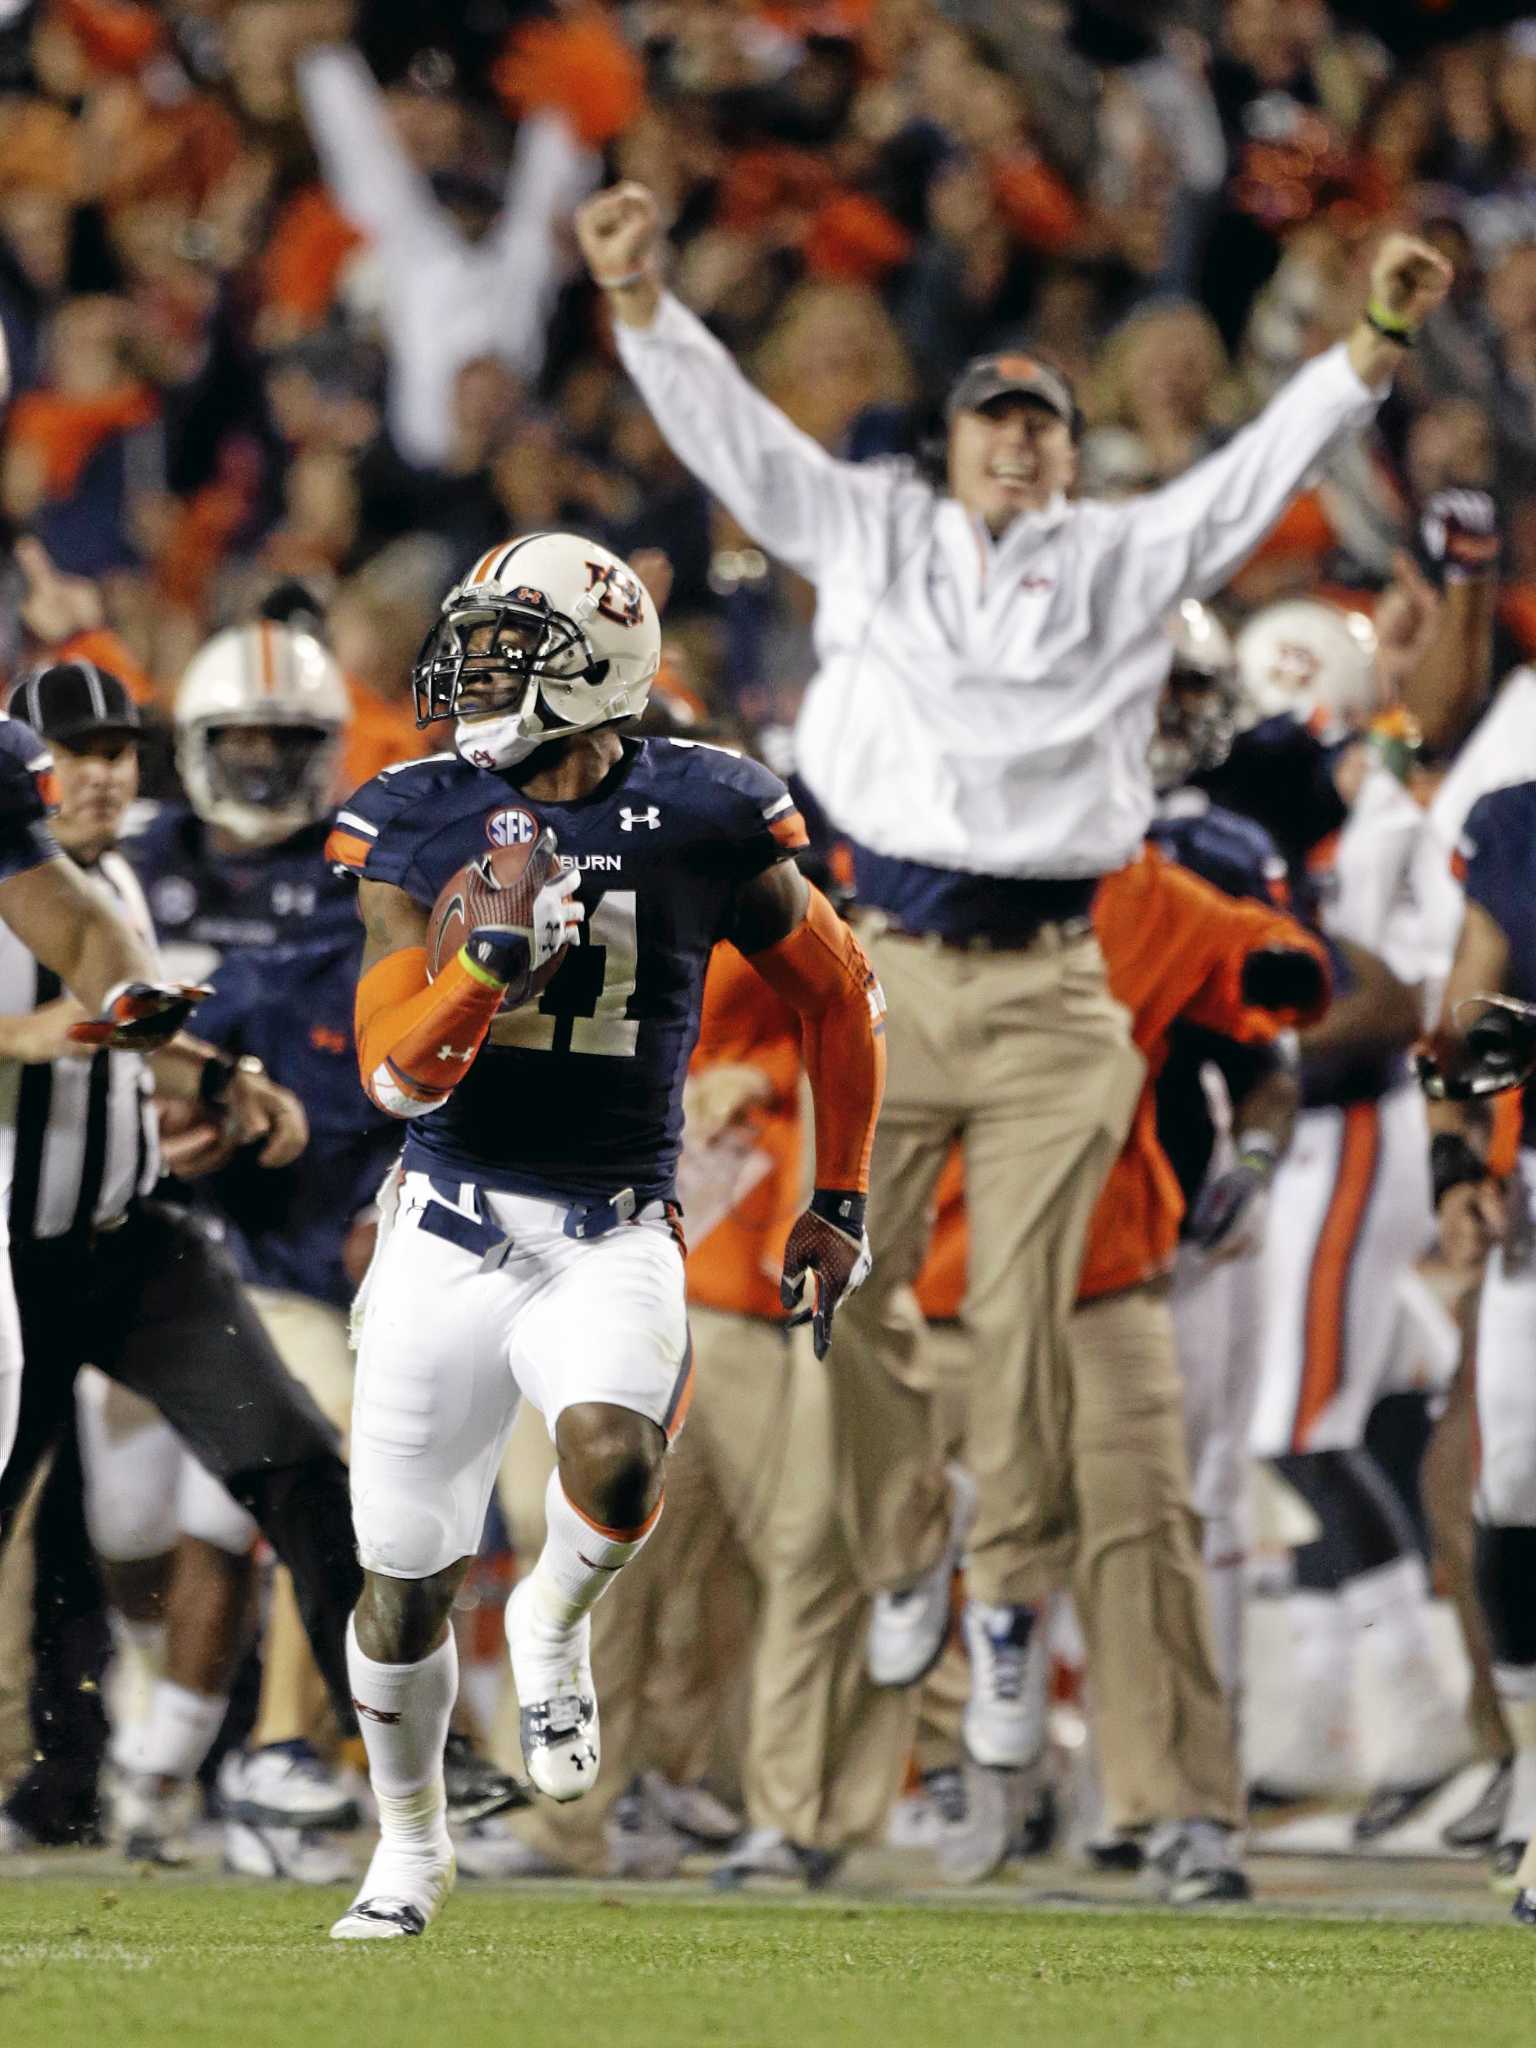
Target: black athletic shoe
x=476, y=1788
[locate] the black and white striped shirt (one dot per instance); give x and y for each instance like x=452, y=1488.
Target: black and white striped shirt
x=77, y=1137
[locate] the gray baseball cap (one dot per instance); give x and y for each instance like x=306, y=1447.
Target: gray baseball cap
x=1013, y=374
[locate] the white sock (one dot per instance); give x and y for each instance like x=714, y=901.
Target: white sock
x=579, y=1561
x=142, y=1639
x=1516, y=1687
x=177, y=1732
x=403, y=1711
x=1320, y=1718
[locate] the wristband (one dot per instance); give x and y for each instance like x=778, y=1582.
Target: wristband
x=1389, y=324
x=1258, y=1150
x=1452, y=1164
x=842, y=1208
x=218, y=1076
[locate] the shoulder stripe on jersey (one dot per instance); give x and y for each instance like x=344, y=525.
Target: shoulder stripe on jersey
x=348, y=850
x=785, y=803
x=357, y=824
x=421, y=761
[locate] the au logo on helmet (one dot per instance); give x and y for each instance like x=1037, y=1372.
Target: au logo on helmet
x=619, y=595
x=511, y=828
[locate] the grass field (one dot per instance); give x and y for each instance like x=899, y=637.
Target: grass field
x=187, y=1965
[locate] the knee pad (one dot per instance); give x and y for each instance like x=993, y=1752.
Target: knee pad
x=205, y=1510
x=130, y=1482
x=400, y=1535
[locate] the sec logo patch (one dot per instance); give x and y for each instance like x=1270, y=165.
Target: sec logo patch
x=511, y=828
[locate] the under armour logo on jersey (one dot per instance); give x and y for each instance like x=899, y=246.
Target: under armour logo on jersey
x=628, y=819
x=451, y=1052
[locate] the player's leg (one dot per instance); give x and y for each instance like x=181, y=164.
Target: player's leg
x=1056, y=1080
x=602, y=1351
x=1166, y=1739
x=432, y=1408
x=171, y=1320
x=1506, y=1525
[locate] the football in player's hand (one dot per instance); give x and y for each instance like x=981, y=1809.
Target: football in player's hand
x=496, y=889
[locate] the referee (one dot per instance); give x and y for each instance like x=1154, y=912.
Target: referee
x=106, y=1276
x=991, y=654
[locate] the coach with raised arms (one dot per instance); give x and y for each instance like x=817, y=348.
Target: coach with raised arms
x=990, y=656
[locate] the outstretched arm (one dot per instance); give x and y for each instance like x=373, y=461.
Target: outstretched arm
x=1188, y=538
x=791, y=935
x=370, y=176
x=783, y=488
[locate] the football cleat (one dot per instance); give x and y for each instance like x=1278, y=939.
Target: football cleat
x=642, y=1842
x=489, y=1849
x=402, y=1894
x=557, y=1702
x=1004, y=1724
x=150, y=1820
x=284, y=1785
x=907, y=1630
x=693, y=1810
x=475, y=1787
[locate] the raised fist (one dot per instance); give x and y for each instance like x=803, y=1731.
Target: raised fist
x=1409, y=278
x=620, y=235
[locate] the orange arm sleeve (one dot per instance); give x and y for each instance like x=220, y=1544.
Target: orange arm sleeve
x=417, y=1038
x=821, y=972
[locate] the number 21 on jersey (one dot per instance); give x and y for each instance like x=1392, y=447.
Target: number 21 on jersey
x=585, y=1008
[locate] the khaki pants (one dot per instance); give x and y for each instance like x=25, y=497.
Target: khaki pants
x=1163, y=1723
x=1029, y=1061
x=750, y=1483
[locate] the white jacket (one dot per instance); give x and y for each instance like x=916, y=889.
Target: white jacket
x=982, y=705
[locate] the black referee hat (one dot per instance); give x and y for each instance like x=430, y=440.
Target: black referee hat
x=75, y=700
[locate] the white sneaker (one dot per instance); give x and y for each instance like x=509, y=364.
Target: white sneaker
x=692, y=1809
x=149, y=1821
x=285, y=1785
x=299, y=1855
x=557, y=1701
x=970, y=1808
x=402, y=1894
x=1004, y=1725
x=907, y=1630
x=1196, y=1863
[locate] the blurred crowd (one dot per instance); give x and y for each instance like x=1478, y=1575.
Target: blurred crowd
x=288, y=286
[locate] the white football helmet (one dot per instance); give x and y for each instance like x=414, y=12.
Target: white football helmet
x=272, y=680
x=1311, y=659
x=546, y=636
x=1197, y=712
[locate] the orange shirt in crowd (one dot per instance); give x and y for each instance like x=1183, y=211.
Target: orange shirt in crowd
x=378, y=735
x=1173, y=947
x=736, y=1266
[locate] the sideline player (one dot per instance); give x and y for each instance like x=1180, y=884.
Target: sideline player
x=535, y=1247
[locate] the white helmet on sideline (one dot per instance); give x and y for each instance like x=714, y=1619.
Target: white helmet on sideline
x=269, y=679
x=1312, y=659
x=546, y=636
x=1197, y=711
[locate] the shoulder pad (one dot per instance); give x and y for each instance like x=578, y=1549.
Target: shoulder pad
x=746, y=802
x=1233, y=853
x=370, y=838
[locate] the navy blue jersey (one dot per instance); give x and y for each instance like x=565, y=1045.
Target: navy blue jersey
x=579, y=1095
x=283, y=932
x=28, y=799
x=1281, y=775
x=1232, y=853
x=1496, y=863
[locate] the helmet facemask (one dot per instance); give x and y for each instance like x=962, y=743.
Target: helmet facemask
x=1197, y=717
x=513, y=673
x=260, y=780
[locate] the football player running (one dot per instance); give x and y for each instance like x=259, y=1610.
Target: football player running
x=534, y=1246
